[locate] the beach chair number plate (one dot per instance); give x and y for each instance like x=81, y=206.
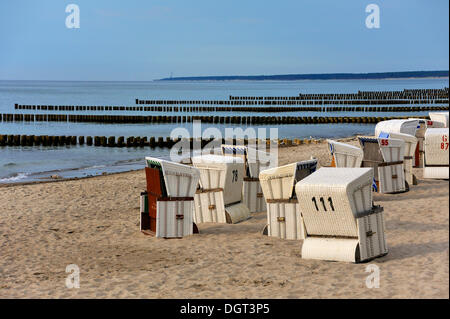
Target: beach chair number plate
x=385, y=142
x=444, y=144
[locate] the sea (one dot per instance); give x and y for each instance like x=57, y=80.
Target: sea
x=26, y=164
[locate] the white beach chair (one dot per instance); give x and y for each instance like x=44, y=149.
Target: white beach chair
x=219, y=199
x=167, y=206
x=284, y=219
x=410, y=151
x=345, y=155
x=340, y=221
x=385, y=156
x=255, y=161
x=436, y=153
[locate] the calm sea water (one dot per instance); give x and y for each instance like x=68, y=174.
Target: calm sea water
x=19, y=164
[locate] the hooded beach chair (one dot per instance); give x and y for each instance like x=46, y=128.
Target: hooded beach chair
x=255, y=161
x=436, y=153
x=167, y=205
x=410, y=151
x=341, y=223
x=284, y=219
x=345, y=155
x=219, y=198
x=385, y=156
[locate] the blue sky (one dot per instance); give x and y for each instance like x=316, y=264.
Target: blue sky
x=145, y=40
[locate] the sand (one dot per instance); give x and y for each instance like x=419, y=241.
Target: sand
x=94, y=223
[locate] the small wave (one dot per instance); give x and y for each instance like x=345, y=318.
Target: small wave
x=14, y=178
x=10, y=164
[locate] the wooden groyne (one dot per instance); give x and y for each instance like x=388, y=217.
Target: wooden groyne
x=132, y=141
x=135, y=119
x=213, y=109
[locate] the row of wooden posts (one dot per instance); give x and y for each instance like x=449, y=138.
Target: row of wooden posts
x=132, y=141
x=407, y=94
x=231, y=109
x=295, y=102
x=131, y=119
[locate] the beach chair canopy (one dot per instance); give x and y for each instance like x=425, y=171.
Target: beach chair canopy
x=410, y=141
x=392, y=150
x=178, y=180
x=345, y=155
x=279, y=182
x=332, y=198
x=221, y=172
x=397, y=126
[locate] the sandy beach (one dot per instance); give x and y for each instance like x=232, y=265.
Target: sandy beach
x=94, y=223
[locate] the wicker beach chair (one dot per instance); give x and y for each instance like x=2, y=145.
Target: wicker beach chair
x=345, y=155
x=255, y=161
x=284, y=219
x=409, y=155
x=341, y=223
x=219, y=198
x=436, y=153
x=167, y=205
x=385, y=156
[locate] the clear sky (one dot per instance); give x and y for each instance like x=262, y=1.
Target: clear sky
x=145, y=40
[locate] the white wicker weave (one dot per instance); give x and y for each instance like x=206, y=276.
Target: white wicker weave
x=436, y=153
x=279, y=182
x=345, y=155
x=392, y=150
x=397, y=126
x=340, y=222
x=223, y=172
x=285, y=221
x=174, y=219
x=253, y=197
x=209, y=208
x=436, y=147
x=180, y=180
x=439, y=119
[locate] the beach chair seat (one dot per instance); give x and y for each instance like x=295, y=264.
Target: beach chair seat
x=167, y=205
x=345, y=155
x=219, y=198
x=341, y=223
x=436, y=153
x=284, y=219
x=255, y=161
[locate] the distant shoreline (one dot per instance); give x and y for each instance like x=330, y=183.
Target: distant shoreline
x=328, y=76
